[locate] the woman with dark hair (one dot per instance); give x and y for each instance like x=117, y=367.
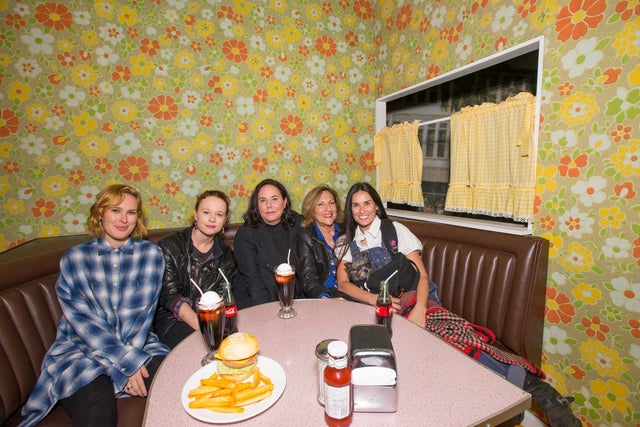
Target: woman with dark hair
x=108, y=290
x=193, y=258
x=264, y=241
x=364, y=213
x=316, y=243
x=363, y=217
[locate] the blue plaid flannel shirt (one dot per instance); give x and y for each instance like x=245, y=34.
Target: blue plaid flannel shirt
x=108, y=298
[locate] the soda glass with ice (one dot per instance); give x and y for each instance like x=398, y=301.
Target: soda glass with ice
x=285, y=275
x=211, y=319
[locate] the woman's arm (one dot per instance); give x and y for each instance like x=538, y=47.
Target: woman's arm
x=188, y=316
x=171, y=296
x=417, y=313
x=308, y=269
x=345, y=286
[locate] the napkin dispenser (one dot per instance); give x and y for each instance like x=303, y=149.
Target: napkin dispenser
x=373, y=369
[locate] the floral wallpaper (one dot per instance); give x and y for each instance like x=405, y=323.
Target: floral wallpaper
x=176, y=96
x=589, y=163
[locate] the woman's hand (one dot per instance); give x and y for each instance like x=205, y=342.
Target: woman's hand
x=135, y=386
x=189, y=316
x=396, y=304
x=417, y=316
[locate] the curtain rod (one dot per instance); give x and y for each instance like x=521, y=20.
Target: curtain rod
x=434, y=121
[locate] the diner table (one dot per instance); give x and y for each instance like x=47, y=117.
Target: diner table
x=437, y=385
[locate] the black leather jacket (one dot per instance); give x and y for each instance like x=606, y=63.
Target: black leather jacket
x=314, y=264
x=177, y=249
x=257, y=256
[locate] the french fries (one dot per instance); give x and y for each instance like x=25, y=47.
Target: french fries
x=222, y=395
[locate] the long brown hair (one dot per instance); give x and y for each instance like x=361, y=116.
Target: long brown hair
x=350, y=223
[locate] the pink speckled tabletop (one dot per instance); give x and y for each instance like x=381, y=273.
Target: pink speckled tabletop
x=437, y=384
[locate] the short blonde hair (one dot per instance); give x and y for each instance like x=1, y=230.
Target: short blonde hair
x=111, y=196
x=311, y=200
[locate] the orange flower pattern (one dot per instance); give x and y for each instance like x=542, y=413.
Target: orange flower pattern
x=575, y=19
x=54, y=15
x=176, y=97
x=163, y=107
x=133, y=169
x=9, y=123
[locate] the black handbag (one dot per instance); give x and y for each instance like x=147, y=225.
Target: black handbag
x=405, y=279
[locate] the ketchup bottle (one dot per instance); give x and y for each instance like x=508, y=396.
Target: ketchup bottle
x=384, y=307
x=338, y=393
x=230, y=310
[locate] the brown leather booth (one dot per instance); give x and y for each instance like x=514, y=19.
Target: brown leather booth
x=492, y=279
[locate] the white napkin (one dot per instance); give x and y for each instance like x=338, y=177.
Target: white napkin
x=373, y=375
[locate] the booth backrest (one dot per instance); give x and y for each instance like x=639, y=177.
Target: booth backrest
x=492, y=279
x=496, y=280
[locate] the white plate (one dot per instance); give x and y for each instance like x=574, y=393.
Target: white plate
x=268, y=367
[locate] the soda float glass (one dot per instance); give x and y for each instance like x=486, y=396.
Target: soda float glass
x=211, y=318
x=285, y=276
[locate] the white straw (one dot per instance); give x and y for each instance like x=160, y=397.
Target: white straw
x=392, y=274
x=223, y=276
x=196, y=285
x=288, y=256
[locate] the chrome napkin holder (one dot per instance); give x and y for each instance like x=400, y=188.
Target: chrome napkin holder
x=373, y=369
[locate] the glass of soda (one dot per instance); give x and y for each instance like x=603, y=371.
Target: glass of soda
x=285, y=276
x=211, y=318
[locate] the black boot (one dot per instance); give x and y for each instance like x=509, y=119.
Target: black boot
x=555, y=406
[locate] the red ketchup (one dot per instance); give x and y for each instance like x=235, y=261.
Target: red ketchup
x=338, y=393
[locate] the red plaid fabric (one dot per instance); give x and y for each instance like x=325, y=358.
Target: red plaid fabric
x=472, y=339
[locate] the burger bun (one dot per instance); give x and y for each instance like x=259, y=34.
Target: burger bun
x=237, y=356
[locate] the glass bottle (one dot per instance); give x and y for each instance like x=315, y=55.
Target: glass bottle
x=230, y=310
x=338, y=393
x=384, y=307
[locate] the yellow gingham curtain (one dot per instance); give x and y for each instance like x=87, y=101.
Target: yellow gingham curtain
x=398, y=155
x=492, y=163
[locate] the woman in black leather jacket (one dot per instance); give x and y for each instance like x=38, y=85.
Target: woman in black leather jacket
x=193, y=255
x=316, y=242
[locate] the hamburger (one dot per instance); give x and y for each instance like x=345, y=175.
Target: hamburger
x=237, y=356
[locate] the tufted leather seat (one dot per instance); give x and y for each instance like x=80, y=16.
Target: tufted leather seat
x=496, y=280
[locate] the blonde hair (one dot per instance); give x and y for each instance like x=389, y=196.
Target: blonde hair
x=311, y=200
x=111, y=196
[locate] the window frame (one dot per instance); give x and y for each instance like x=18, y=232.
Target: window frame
x=497, y=58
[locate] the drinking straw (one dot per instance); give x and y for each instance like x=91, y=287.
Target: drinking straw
x=392, y=274
x=288, y=256
x=223, y=276
x=196, y=285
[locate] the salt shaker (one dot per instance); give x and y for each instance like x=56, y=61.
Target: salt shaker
x=322, y=354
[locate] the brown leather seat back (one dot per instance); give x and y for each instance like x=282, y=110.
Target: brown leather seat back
x=495, y=280
x=29, y=314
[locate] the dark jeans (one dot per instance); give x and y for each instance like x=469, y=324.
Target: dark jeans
x=94, y=405
x=515, y=374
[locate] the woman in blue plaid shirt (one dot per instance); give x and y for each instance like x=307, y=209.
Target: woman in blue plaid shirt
x=108, y=289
